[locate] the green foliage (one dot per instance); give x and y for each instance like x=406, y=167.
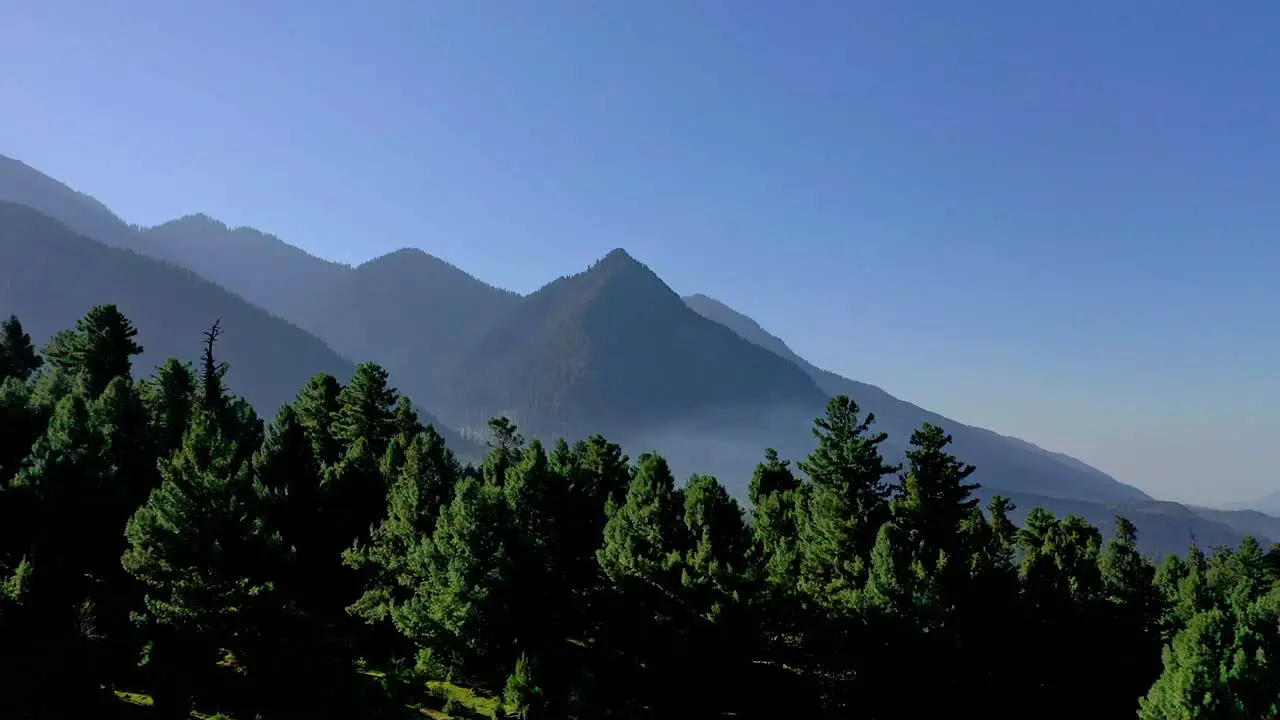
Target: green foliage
x=100, y=349
x=154, y=535
x=18, y=357
x=847, y=502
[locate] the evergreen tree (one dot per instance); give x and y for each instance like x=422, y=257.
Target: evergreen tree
x=774, y=492
x=366, y=410
x=316, y=405
x=462, y=613
x=100, y=349
x=847, y=502
x=644, y=537
x=397, y=566
x=169, y=398
x=18, y=357
x=200, y=547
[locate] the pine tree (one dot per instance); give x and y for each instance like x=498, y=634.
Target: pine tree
x=316, y=405
x=521, y=695
x=774, y=492
x=100, y=349
x=169, y=397
x=287, y=481
x=396, y=566
x=200, y=547
x=18, y=357
x=408, y=424
x=22, y=424
x=644, y=537
x=847, y=502
x=716, y=562
x=366, y=410
x=462, y=613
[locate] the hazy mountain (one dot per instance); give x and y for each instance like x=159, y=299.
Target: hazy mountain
x=1002, y=462
x=54, y=275
x=24, y=185
x=614, y=350
x=413, y=313
x=259, y=267
x=255, y=265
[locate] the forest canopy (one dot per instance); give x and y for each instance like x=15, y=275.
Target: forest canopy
x=164, y=550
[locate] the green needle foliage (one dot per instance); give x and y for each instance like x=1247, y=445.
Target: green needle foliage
x=158, y=540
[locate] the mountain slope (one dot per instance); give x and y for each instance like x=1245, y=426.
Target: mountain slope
x=53, y=276
x=1002, y=462
x=259, y=267
x=22, y=184
x=413, y=313
x=614, y=350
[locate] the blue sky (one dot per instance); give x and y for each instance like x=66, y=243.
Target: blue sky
x=1056, y=219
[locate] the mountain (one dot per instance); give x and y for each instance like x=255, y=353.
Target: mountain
x=1002, y=462
x=75, y=253
x=614, y=350
x=57, y=275
x=414, y=313
x=257, y=266
x=611, y=350
x=24, y=185
x=1269, y=504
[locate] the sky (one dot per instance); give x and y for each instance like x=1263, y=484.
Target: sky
x=1059, y=220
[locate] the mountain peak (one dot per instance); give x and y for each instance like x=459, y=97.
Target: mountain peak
x=618, y=255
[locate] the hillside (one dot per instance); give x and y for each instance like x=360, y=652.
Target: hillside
x=259, y=267
x=22, y=184
x=614, y=350
x=1006, y=463
x=412, y=312
x=53, y=276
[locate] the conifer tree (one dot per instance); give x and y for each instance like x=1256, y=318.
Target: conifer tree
x=22, y=424
x=316, y=405
x=200, y=548
x=18, y=357
x=644, y=537
x=366, y=410
x=716, y=559
x=408, y=424
x=396, y=565
x=847, y=502
x=100, y=349
x=462, y=613
x=287, y=480
x=61, y=485
x=169, y=397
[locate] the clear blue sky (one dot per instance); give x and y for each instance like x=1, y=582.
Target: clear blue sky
x=1057, y=219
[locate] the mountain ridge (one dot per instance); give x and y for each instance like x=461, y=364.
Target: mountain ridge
x=898, y=416
x=86, y=211
x=583, y=340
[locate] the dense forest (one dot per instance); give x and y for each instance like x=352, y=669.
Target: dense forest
x=167, y=552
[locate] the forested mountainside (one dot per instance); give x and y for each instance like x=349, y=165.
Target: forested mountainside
x=425, y=321
x=616, y=348
x=259, y=267
x=165, y=553
x=427, y=334
x=415, y=313
x=24, y=185
x=1007, y=462
x=52, y=276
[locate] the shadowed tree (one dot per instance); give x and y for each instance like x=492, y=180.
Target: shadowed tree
x=18, y=357
x=100, y=349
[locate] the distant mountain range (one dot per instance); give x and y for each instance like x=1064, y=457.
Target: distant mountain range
x=611, y=349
